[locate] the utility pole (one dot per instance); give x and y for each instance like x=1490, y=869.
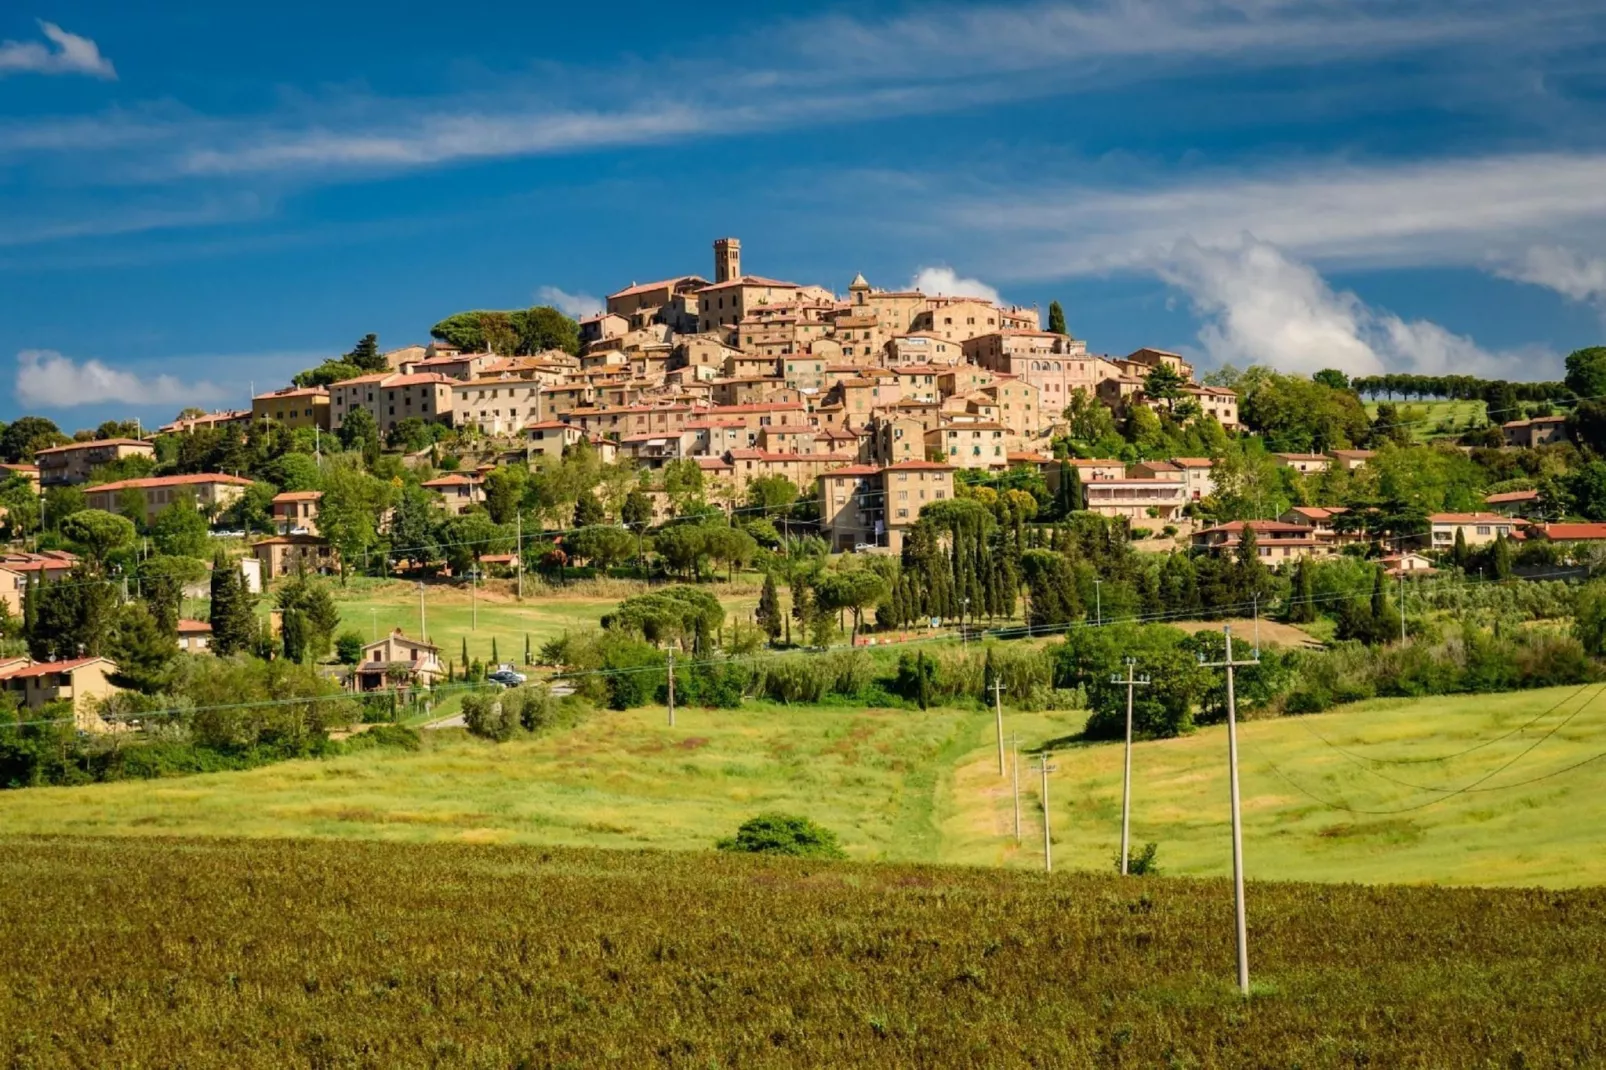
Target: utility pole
x=1014, y=767
x=1132, y=681
x=671, y=688
x=518, y=551
x=1237, y=822
x=1098, y=601
x=423, y=625
x=1402, y=600
x=474, y=599
x=1257, y=620
x=998, y=714
x=1048, y=839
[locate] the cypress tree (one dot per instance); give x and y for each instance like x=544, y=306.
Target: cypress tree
x=769, y=608
x=1056, y=318
x=496, y=658
x=465, y=652
x=1459, y=555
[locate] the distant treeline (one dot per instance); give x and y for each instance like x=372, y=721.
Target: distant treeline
x=1497, y=392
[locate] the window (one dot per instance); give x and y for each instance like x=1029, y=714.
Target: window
x=1483, y=529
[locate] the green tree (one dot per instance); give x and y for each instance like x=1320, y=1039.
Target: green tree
x=348, y=648
x=327, y=374
x=307, y=602
x=234, y=620
x=855, y=591
x=71, y=618
x=637, y=515
x=179, y=530
x=504, y=490
x=141, y=648
x=542, y=328
x=1056, y=318
x=769, y=609
x=1500, y=559
x=1459, y=554
x=349, y=512
x=1586, y=372
x=683, y=482
x=162, y=581
x=1589, y=618
x=61, y=503
x=26, y=435
x=467, y=537
x=1165, y=384
x=359, y=432
x=366, y=355
x=97, y=533
x=414, y=524
x=601, y=544
x=588, y=510
x=1332, y=378
x=771, y=494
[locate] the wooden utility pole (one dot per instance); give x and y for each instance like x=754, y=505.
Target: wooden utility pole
x=423, y=629
x=518, y=551
x=1402, y=599
x=1237, y=822
x=1048, y=837
x=1132, y=681
x=671, y=688
x=998, y=716
x=1014, y=766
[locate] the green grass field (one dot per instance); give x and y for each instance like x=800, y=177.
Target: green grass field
x=1435, y=419
x=245, y=954
x=909, y=786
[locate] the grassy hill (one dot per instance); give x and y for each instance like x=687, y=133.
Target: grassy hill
x=923, y=787
x=265, y=954
x=1436, y=419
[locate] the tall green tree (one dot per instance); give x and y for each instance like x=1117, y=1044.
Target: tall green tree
x=349, y=513
x=98, y=534
x=179, y=530
x=366, y=355
x=234, y=620
x=359, y=432
x=1586, y=373
x=769, y=608
x=1056, y=318
x=71, y=618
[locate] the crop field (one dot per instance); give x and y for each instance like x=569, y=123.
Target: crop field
x=902, y=785
x=139, y=953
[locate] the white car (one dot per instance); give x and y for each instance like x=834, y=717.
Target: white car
x=864, y=547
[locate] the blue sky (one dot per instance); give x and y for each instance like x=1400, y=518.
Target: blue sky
x=192, y=202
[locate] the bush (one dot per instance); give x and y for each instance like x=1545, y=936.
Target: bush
x=389, y=736
x=487, y=716
x=348, y=648
x=1140, y=863
x=783, y=834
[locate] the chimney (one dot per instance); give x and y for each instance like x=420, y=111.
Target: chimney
x=727, y=259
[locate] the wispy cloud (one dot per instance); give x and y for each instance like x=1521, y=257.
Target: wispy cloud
x=572, y=305
x=1262, y=306
x=945, y=280
x=1447, y=211
x=1566, y=271
x=66, y=53
x=49, y=380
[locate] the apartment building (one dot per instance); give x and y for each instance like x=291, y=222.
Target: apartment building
x=84, y=682
x=866, y=505
x=971, y=444
x=1477, y=529
x=211, y=492
x=73, y=463
x=295, y=407
x=1135, y=499
x=1275, y=541
x=296, y=511
x=496, y=406
x=1303, y=463
x=390, y=398
x=1055, y=364
x=921, y=348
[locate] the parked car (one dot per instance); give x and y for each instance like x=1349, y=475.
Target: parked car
x=506, y=677
x=865, y=547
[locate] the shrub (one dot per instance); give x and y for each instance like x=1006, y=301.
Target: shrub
x=487, y=716
x=783, y=834
x=1140, y=863
x=348, y=648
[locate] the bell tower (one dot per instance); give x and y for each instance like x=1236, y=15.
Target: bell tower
x=727, y=259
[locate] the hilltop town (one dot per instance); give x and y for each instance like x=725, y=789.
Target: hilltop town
x=732, y=417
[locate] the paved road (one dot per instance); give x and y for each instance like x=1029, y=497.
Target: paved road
x=456, y=720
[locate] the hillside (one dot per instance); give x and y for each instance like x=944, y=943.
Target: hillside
x=902, y=785
x=260, y=953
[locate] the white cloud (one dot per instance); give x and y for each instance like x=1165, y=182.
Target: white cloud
x=1441, y=212
x=1566, y=271
x=1260, y=306
x=572, y=305
x=49, y=380
x=945, y=280
x=71, y=55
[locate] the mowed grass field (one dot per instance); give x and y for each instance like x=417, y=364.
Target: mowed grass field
x=245, y=954
x=1428, y=416
x=453, y=612
x=909, y=786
